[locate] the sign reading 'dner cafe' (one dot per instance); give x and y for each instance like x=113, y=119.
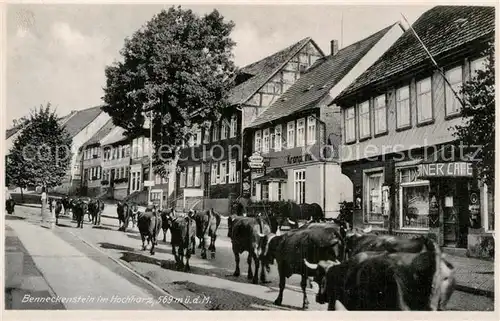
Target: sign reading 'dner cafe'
x=453, y=169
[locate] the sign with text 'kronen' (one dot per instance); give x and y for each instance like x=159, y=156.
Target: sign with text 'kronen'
x=256, y=161
x=453, y=169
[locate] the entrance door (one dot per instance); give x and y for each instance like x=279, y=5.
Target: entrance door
x=454, y=196
x=112, y=178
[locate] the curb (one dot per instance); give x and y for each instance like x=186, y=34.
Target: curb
x=476, y=291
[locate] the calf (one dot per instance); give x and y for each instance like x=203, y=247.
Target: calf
x=167, y=215
x=149, y=224
x=183, y=231
x=386, y=281
x=245, y=234
x=207, y=223
x=320, y=241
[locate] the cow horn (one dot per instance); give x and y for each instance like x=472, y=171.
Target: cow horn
x=291, y=222
x=261, y=235
x=339, y=306
x=312, y=266
x=368, y=229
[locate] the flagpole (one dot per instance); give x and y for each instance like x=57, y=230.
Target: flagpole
x=434, y=61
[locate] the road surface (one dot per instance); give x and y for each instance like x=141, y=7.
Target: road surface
x=210, y=278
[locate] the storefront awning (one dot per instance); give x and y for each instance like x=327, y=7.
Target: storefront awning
x=447, y=161
x=276, y=174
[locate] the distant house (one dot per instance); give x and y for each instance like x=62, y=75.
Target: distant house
x=398, y=144
x=209, y=174
x=298, y=136
x=81, y=126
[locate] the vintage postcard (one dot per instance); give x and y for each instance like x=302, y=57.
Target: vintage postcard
x=249, y=157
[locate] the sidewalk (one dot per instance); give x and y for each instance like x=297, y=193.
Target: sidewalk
x=57, y=269
x=474, y=275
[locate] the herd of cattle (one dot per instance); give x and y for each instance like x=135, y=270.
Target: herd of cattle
x=355, y=269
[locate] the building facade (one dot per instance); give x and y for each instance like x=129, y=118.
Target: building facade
x=209, y=168
x=398, y=118
x=298, y=136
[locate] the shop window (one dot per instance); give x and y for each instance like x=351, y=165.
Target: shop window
x=350, y=125
x=300, y=186
x=413, y=199
x=454, y=77
x=373, y=194
x=424, y=100
x=189, y=182
x=364, y=119
x=265, y=191
x=380, y=109
x=280, y=191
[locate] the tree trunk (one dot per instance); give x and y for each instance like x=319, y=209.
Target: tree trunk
x=22, y=195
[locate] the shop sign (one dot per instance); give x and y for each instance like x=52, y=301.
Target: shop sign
x=454, y=169
x=298, y=159
x=256, y=161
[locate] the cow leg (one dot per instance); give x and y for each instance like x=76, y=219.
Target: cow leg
x=204, y=247
x=211, y=248
x=249, y=261
x=237, y=261
x=164, y=235
x=187, y=268
x=153, y=241
x=303, y=285
x=143, y=238
x=193, y=244
x=256, y=272
x=279, y=299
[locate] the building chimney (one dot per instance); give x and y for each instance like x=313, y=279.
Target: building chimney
x=334, y=47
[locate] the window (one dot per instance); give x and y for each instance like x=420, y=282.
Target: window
x=454, y=77
x=85, y=174
x=127, y=172
x=265, y=191
x=277, y=138
x=197, y=177
x=234, y=127
x=182, y=179
x=157, y=179
x=350, y=125
x=127, y=151
x=364, y=119
x=223, y=172
x=197, y=136
x=232, y=171
x=213, y=177
x=224, y=130
x=265, y=138
x=133, y=182
x=300, y=186
x=189, y=182
x=280, y=191
x=311, y=130
x=258, y=141
x=206, y=136
x=272, y=139
x=403, y=107
x=424, y=100
x=291, y=135
x=478, y=64
x=380, y=109
x=413, y=199
x=373, y=196
x=215, y=132
x=301, y=132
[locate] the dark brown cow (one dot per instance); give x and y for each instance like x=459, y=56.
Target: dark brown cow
x=245, y=234
x=167, y=215
x=10, y=205
x=149, y=224
x=207, y=223
x=386, y=281
x=126, y=211
x=183, y=231
x=310, y=212
x=314, y=242
x=80, y=207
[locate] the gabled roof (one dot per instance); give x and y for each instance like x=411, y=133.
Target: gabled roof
x=12, y=131
x=101, y=133
x=261, y=72
x=441, y=29
x=318, y=80
x=115, y=136
x=81, y=119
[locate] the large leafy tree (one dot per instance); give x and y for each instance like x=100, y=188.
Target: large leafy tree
x=179, y=68
x=479, y=116
x=41, y=154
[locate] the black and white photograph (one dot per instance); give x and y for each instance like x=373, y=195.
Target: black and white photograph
x=249, y=157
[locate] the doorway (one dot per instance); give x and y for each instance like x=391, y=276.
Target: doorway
x=455, y=204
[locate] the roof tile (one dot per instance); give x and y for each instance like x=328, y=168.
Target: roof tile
x=100, y=134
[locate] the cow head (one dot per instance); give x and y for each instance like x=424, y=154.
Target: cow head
x=320, y=278
x=352, y=235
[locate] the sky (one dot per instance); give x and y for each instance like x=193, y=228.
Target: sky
x=57, y=53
